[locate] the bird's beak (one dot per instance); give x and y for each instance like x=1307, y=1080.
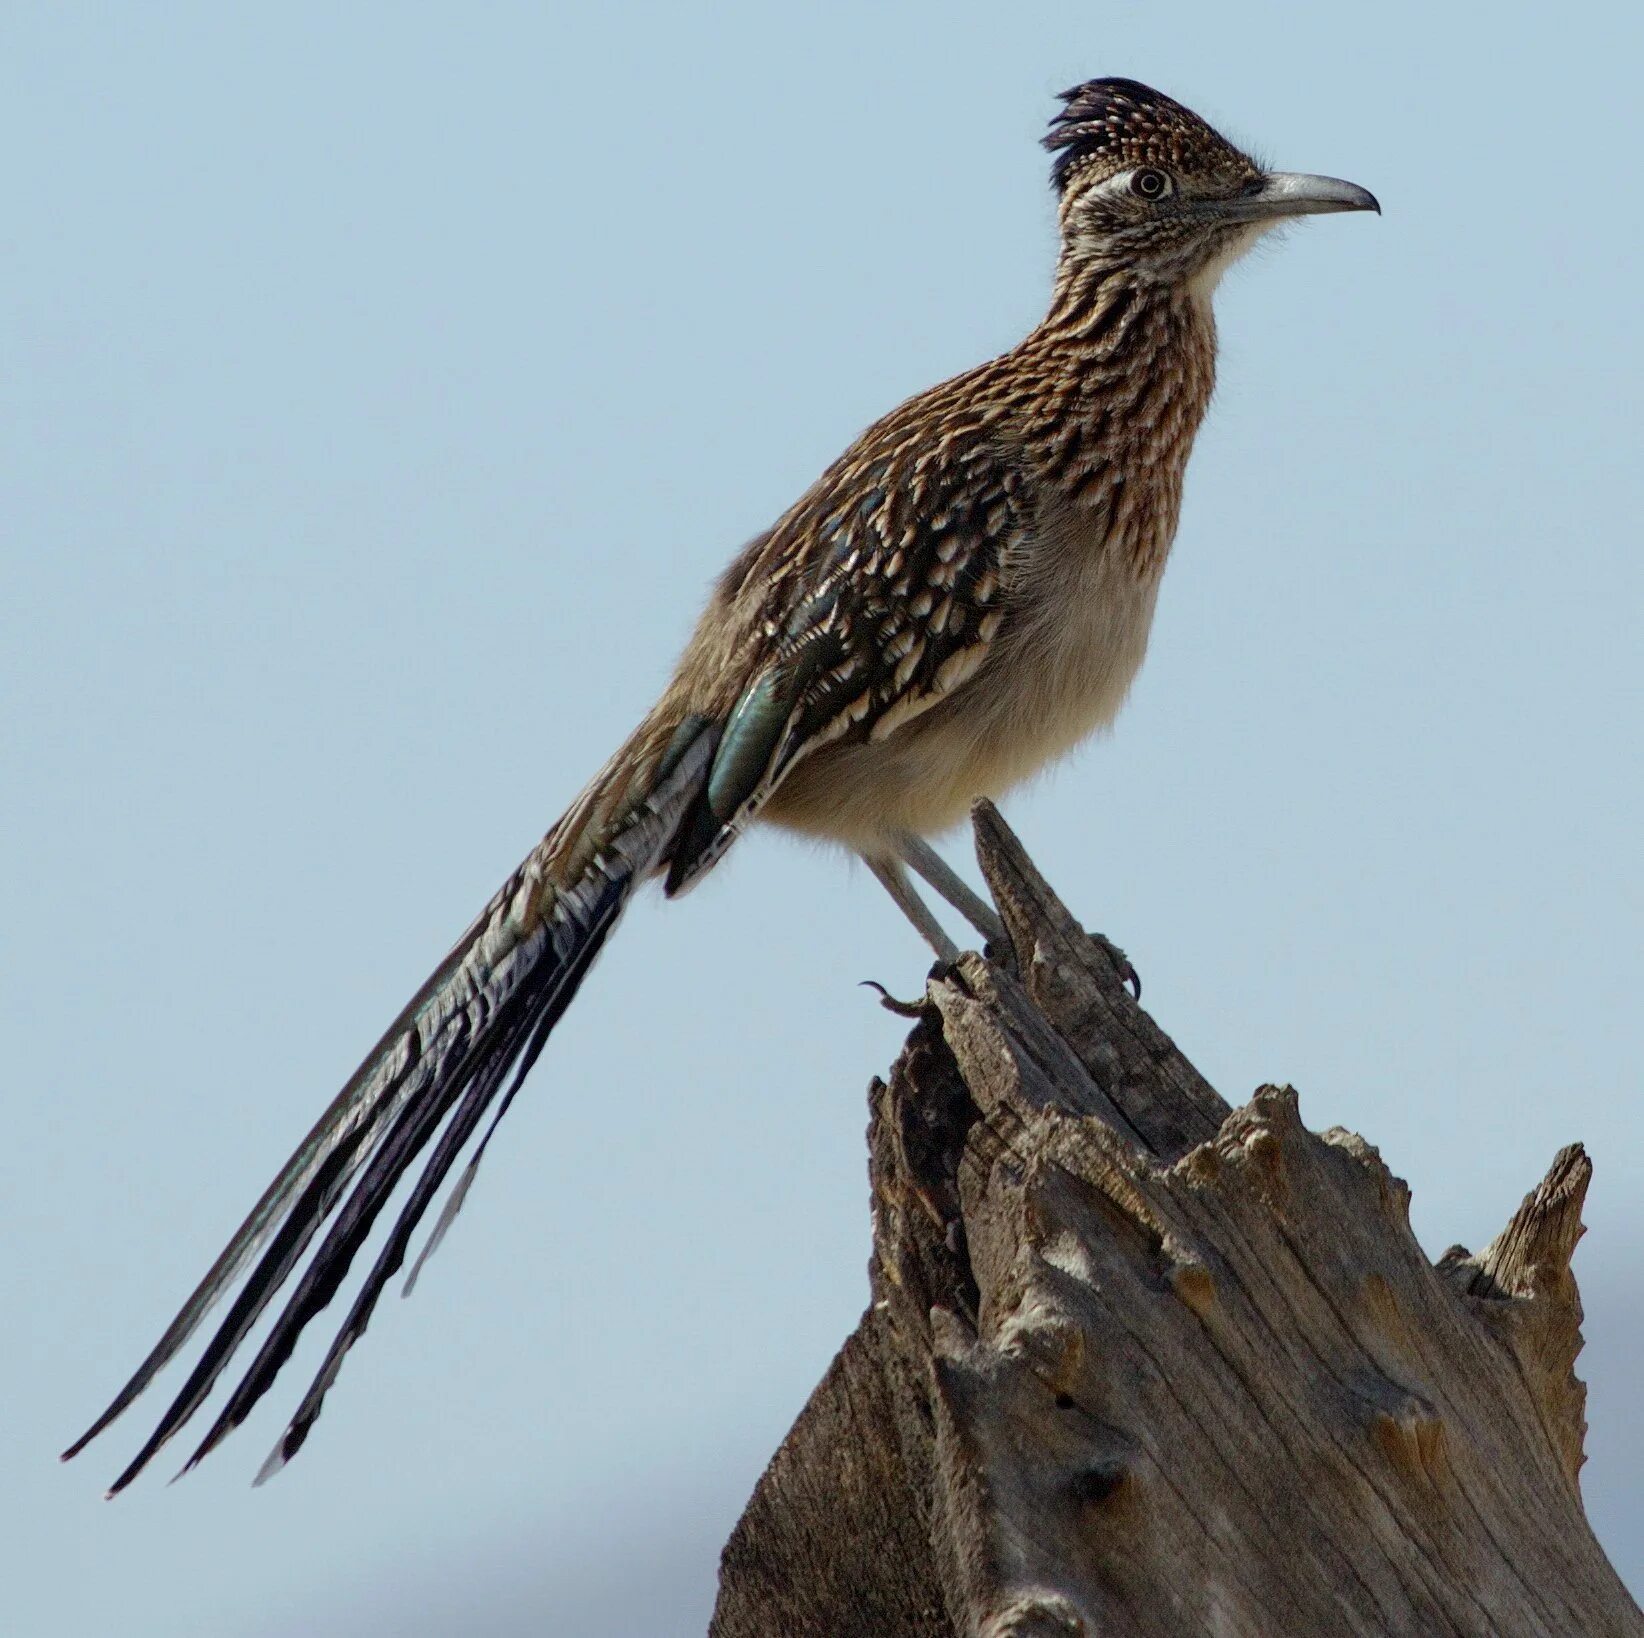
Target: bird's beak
x=1293, y=193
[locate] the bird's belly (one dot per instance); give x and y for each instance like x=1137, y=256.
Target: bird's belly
x=1053, y=680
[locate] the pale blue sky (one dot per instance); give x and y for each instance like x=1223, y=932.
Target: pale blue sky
x=380, y=388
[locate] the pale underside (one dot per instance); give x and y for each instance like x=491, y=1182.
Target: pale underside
x=1081, y=586
x=1054, y=677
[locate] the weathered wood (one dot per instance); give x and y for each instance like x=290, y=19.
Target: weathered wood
x=1139, y=1363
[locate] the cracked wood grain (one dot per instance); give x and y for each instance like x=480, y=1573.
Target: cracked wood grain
x=1139, y=1363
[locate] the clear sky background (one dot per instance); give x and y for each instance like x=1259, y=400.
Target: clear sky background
x=380, y=389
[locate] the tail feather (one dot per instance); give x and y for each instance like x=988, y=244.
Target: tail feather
x=528, y=1019
x=488, y=1008
x=284, y=1250
x=344, y=1126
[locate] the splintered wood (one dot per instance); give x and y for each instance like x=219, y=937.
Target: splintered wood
x=1138, y=1363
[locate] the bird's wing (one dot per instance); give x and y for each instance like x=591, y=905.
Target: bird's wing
x=878, y=596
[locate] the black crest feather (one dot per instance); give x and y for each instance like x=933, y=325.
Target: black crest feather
x=1124, y=122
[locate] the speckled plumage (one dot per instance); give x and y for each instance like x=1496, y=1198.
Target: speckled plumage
x=959, y=598
x=971, y=582
x=966, y=592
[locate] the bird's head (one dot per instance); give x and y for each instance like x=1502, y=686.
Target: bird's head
x=1145, y=184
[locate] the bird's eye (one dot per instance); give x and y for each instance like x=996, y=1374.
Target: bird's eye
x=1150, y=184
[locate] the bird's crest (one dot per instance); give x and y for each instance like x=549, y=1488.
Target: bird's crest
x=1116, y=124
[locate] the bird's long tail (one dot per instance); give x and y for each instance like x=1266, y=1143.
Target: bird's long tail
x=472, y=1030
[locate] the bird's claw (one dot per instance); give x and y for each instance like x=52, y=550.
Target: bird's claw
x=902, y=1009
x=1127, y=968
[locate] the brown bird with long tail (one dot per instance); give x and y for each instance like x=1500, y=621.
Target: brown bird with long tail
x=961, y=597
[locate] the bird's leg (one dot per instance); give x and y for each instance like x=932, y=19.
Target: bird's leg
x=954, y=888
x=894, y=879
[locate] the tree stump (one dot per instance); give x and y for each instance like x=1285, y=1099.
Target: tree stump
x=1140, y=1363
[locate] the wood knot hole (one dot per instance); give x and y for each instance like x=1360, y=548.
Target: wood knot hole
x=1099, y=1483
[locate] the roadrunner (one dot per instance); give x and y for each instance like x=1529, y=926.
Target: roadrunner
x=960, y=598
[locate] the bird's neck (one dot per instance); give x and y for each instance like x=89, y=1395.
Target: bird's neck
x=1104, y=307
x=1121, y=369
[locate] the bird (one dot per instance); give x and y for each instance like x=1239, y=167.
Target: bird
x=959, y=599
